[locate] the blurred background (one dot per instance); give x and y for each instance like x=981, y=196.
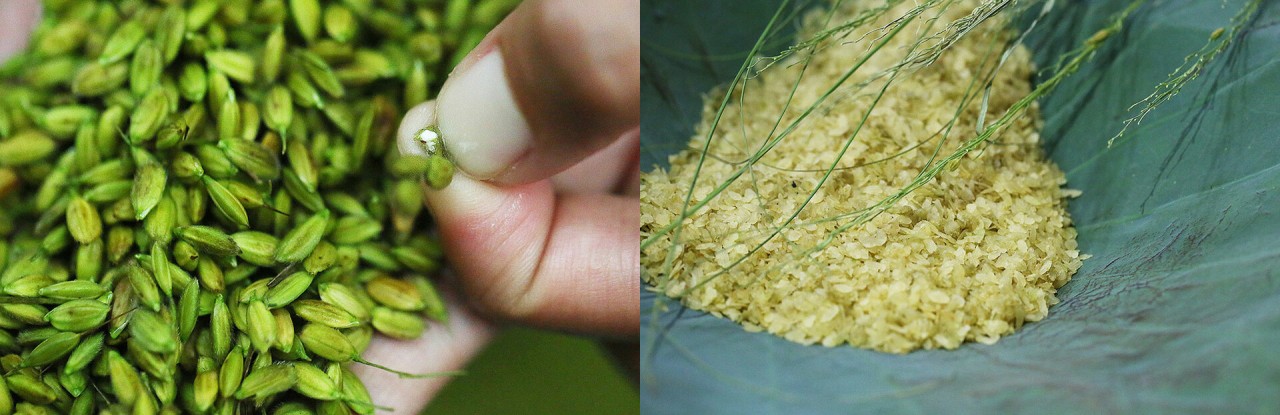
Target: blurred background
x=526, y=371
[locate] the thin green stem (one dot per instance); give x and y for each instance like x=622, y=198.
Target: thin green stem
x=900, y=25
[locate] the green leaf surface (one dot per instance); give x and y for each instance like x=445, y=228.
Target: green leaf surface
x=1178, y=311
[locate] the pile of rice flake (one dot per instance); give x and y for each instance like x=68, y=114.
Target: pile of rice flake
x=970, y=256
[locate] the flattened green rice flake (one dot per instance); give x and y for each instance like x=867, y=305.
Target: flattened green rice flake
x=970, y=256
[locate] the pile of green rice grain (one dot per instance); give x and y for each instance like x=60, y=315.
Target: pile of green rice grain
x=970, y=256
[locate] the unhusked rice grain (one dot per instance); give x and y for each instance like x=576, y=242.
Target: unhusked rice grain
x=970, y=256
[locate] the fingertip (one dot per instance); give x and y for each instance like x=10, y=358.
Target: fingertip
x=417, y=118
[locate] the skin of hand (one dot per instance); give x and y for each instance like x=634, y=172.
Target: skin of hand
x=541, y=226
x=17, y=18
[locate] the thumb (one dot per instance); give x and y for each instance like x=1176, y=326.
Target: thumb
x=555, y=82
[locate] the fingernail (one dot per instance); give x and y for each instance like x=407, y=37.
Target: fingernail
x=483, y=128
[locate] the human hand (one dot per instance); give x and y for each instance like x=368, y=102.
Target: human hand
x=542, y=118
